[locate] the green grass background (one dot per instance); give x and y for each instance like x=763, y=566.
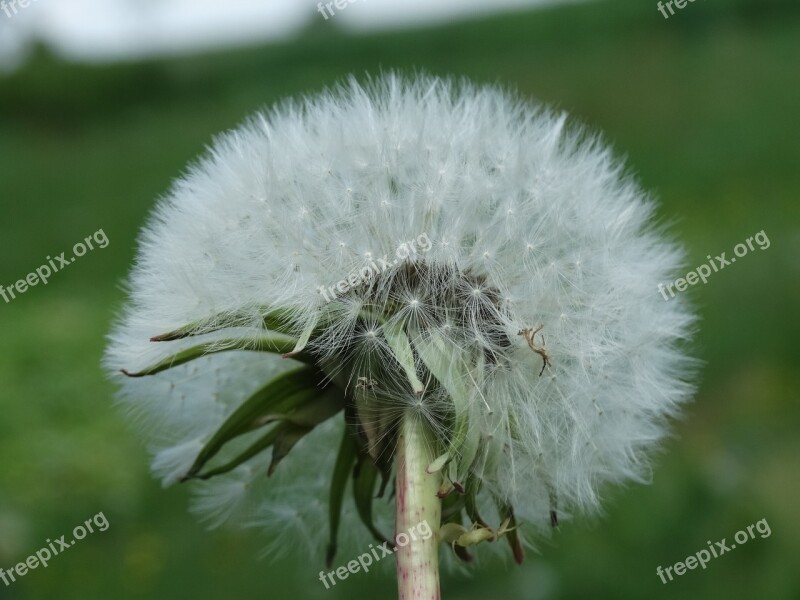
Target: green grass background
x=705, y=107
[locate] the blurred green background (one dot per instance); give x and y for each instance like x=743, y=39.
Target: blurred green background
x=705, y=107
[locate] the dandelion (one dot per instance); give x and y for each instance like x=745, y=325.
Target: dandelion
x=491, y=385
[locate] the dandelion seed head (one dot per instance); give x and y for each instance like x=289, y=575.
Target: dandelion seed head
x=516, y=205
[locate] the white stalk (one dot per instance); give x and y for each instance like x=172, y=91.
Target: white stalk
x=417, y=504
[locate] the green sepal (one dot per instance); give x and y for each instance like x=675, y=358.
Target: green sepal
x=471, y=501
x=401, y=350
x=277, y=344
x=364, y=478
x=281, y=394
x=261, y=444
x=452, y=506
x=286, y=440
x=304, y=338
x=448, y=366
x=314, y=405
x=310, y=413
x=468, y=438
x=276, y=320
x=341, y=473
x=512, y=533
x=368, y=420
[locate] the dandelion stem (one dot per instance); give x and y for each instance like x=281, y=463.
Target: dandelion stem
x=418, y=512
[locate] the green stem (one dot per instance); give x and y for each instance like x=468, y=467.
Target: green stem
x=418, y=513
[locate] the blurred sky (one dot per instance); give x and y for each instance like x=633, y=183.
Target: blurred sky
x=101, y=30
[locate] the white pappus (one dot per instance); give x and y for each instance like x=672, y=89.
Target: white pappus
x=534, y=302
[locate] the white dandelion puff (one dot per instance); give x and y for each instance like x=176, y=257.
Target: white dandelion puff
x=525, y=348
